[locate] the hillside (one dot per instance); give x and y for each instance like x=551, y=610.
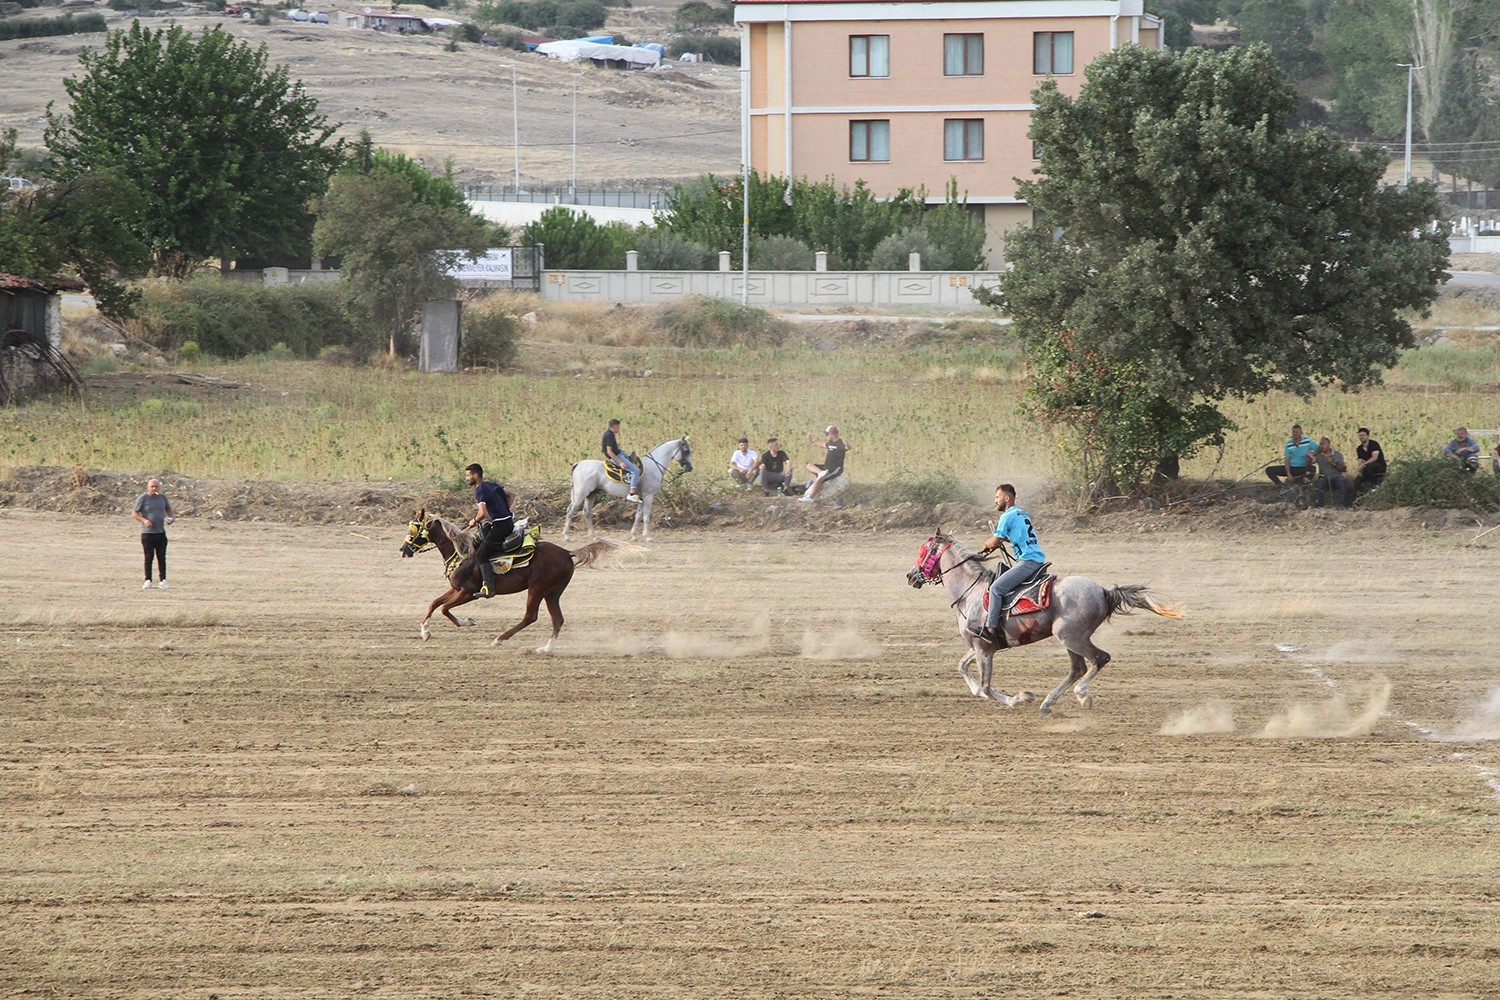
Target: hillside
x=415, y=96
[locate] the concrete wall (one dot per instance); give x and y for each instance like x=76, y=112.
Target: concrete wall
x=781, y=289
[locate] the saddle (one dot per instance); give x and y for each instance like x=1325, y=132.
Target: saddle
x=1030, y=597
x=517, y=549
x=617, y=472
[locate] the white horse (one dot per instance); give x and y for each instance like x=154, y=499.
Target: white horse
x=589, y=477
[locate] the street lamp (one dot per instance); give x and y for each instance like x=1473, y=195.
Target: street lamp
x=515, y=128
x=1410, y=68
x=745, y=180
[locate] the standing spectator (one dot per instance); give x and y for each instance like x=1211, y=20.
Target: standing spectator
x=1463, y=449
x=1295, y=465
x=775, y=468
x=832, y=465
x=1329, y=462
x=1495, y=461
x=1369, y=470
x=154, y=511
x=742, y=464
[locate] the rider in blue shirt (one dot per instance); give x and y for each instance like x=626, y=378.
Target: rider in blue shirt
x=1015, y=528
x=494, y=518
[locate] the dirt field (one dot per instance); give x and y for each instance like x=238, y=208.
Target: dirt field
x=416, y=97
x=750, y=770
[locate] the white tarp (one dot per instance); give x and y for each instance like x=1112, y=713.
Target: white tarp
x=576, y=49
x=493, y=266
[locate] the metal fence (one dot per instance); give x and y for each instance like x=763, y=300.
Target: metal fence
x=637, y=198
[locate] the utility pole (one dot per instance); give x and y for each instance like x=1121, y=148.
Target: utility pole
x=1406, y=174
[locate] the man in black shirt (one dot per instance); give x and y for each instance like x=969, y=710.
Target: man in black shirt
x=775, y=468
x=1370, y=469
x=610, y=445
x=832, y=465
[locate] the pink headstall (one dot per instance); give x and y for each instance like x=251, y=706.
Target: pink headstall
x=928, y=557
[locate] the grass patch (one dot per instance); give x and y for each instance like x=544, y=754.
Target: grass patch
x=1436, y=482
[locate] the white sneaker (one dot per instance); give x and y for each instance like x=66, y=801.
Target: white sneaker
x=806, y=499
x=164, y=585
x=633, y=497
x=146, y=585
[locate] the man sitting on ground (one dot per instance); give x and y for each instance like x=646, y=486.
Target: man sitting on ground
x=1463, y=449
x=742, y=464
x=775, y=468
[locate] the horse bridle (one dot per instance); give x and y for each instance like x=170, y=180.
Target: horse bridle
x=937, y=577
x=676, y=456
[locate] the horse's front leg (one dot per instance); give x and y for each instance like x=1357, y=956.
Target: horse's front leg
x=1078, y=668
x=435, y=605
x=643, y=517
x=969, y=679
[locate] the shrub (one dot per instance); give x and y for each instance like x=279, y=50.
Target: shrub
x=721, y=49
x=894, y=252
x=41, y=27
x=781, y=253
x=574, y=240
x=189, y=352
x=928, y=490
x=230, y=319
x=1435, y=482
x=661, y=250
x=700, y=321
x=489, y=335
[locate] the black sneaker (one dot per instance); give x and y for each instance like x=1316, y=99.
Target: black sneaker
x=995, y=637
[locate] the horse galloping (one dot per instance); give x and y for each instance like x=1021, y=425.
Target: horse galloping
x=1077, y=608
x=589, y=477
x=544, y=578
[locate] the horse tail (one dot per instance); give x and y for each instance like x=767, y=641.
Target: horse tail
x=599, y=550
x=1135, y=595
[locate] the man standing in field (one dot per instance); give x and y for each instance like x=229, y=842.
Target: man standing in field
x=610, y=445
x=1015, y=528
x=495, y=520
x=154, y=511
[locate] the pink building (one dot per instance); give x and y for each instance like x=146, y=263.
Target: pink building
x=915, y=94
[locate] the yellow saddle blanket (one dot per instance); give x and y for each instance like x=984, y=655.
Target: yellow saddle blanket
x=510, y=560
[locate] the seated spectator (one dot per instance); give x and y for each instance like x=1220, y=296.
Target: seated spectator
x=1295, y=466
x=1369, y=470
x=832, y=466
x=775, y=468
x=1463, y=449
x=742, y=464
x=1495, y=461
x=1330, y=466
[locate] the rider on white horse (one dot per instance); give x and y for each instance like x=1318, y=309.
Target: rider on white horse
x=610, y=445
x=1014, y=527
x=494, y=518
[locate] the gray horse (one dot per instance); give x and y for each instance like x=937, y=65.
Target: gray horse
x=589, y=478
x=1078, y=607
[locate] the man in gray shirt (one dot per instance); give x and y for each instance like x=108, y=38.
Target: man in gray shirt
x=1331, y=473
x=154, y=511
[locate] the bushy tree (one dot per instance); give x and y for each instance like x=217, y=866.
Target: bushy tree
x=79, y=227
x=574, y=240
x=660, y=250
x=399, y=230
x=1283, y=26
x=225, y=151
x=781, y=253
x=1193, y=248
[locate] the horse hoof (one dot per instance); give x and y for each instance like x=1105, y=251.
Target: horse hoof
x=1044, y=711
x=495, y=641
x=1087, y=701
x=1026, y=696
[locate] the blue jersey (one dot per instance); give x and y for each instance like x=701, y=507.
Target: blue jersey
x=1015, y=527
x=1297, y=452
x=493, y=497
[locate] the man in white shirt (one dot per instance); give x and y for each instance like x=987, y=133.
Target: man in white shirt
x=742, y=462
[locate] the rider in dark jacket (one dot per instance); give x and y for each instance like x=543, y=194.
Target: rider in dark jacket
x=494, y=518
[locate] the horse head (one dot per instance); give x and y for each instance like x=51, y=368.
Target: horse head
x=928, y=567
x=685, y=454
x=416, y=535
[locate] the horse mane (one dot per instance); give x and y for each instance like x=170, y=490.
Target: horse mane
x=964, y=552
x=463, y=542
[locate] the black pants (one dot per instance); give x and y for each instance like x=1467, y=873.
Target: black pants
x=492, y=535
x=1300, y=473
x=155, y=543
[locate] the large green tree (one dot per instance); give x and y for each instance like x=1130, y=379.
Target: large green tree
x=399, y=230
x=80, y=227
x=1192, y=247
x=225, y=150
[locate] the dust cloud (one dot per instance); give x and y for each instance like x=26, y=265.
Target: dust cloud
x=844, y=645
x=1333, y=718
x=719, y=645
x=1484, y=723
x=1215, y=717
x=1354, y=651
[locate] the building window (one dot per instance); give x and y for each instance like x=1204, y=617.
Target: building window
x=963, y=139
x=963, y=55
x=1052, y=53
x=870, y=141
x=869, y=55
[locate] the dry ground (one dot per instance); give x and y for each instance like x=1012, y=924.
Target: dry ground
x=415, y=96
x=750, y=771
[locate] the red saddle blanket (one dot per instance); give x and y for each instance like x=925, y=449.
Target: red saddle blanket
x=1037, y=597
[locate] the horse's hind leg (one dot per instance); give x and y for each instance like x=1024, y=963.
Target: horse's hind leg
x=533, y=602
x=554, y=609
x=1081, y=689
x=1079, y=668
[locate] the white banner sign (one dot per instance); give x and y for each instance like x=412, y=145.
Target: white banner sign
x=493, y=266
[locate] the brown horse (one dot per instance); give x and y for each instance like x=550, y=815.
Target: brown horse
x=544, y=578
